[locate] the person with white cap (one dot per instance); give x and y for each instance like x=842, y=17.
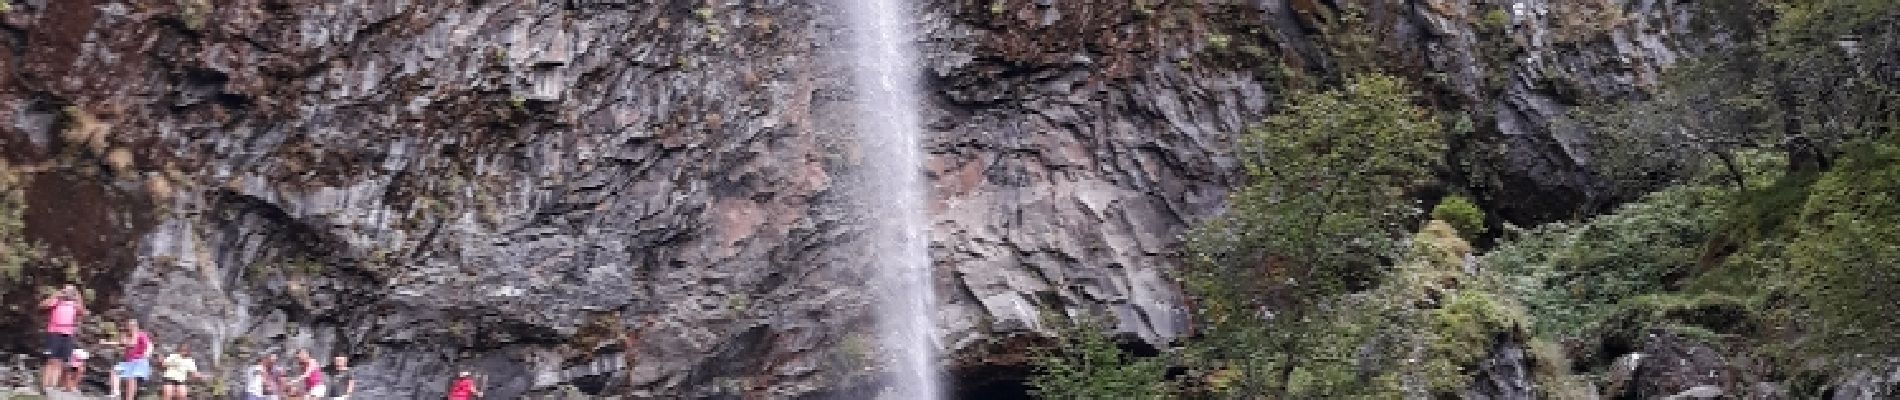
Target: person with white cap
x=463, y=388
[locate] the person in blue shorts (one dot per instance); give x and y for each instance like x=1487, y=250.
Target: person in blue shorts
x=137, y=366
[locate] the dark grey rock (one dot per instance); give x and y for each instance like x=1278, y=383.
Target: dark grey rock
x=653, y=199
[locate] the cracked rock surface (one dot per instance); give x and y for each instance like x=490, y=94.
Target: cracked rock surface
x=655, y=198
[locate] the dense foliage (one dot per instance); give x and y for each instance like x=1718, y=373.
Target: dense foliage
x=1329, y=176
x=15, y=251
x=1572, y=274
x=1326, y=208
x=1089, y=365
x=1846, y=254
x=1462, y=214
x=1764, y=195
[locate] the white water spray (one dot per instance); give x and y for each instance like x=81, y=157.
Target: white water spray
x=885, y=74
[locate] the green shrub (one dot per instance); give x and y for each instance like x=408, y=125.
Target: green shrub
x=1846, y=258
x=1087, y=364
x=1421, y=331
x=1496, y=19
x=1462, y=214
x=1707, y=317
x=1462, y=333
x=16, y=252
x=1438, y=244
x=1570, y=275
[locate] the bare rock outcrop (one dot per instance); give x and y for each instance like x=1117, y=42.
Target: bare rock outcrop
x=651, y=197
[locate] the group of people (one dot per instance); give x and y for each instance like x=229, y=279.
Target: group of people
x=66, y=359
x=263, y=381
x=66, y=363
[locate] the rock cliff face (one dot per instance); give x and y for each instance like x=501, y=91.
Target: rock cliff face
x=653, y=197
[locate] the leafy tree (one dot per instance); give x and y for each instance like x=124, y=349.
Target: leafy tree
x=1822, y=65
x=1702, y=119
x=1805, y=86
x=1326, y=206
x=1087, y=364
x=1418, y=334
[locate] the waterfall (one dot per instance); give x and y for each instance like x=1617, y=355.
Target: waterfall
x=889, y=128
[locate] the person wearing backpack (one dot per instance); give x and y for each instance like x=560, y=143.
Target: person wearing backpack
x=62, y=322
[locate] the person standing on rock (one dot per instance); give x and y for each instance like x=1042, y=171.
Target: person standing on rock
x=126, y=376
x=312, y=377
x=63, y=310
x=342, y=382
x=77, y=369
x=179, y=369
x=463, y=388
x=257, y=378
x=262, y=381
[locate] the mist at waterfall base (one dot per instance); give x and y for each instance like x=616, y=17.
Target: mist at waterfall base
x=889, y=128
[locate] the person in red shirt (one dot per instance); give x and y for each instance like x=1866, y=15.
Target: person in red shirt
x=464, y=388
x=62, y=322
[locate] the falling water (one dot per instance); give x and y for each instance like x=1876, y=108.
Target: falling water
x=885, y=75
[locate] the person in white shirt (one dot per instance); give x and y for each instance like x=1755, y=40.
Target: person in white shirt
x=178, y=370
x=258, y=384
x=76, y=369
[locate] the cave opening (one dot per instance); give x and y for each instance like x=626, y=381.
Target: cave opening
x=994, y=382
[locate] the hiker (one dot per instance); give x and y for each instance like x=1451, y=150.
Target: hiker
x=261, y=381
x=254, y=380
x=77, y=368
x=63, y=310
x=463, y=388
x=178, y=371
x=126, y=375
x=312, y=376
x=278, y=388
x=342, y=382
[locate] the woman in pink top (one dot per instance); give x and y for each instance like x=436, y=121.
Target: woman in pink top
x=62, y=321
x=312, y=377
x=138, y=348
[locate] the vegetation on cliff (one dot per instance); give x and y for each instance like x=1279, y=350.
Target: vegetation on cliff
x=15, y=252
x=1326, y=209
x=1766, y=234
x=1089, y=365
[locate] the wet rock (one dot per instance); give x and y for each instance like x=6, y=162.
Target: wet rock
x=1670, y=365
x=653, y=199
x=1506, y=375
x=1877, y=380
x=1698, y=392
